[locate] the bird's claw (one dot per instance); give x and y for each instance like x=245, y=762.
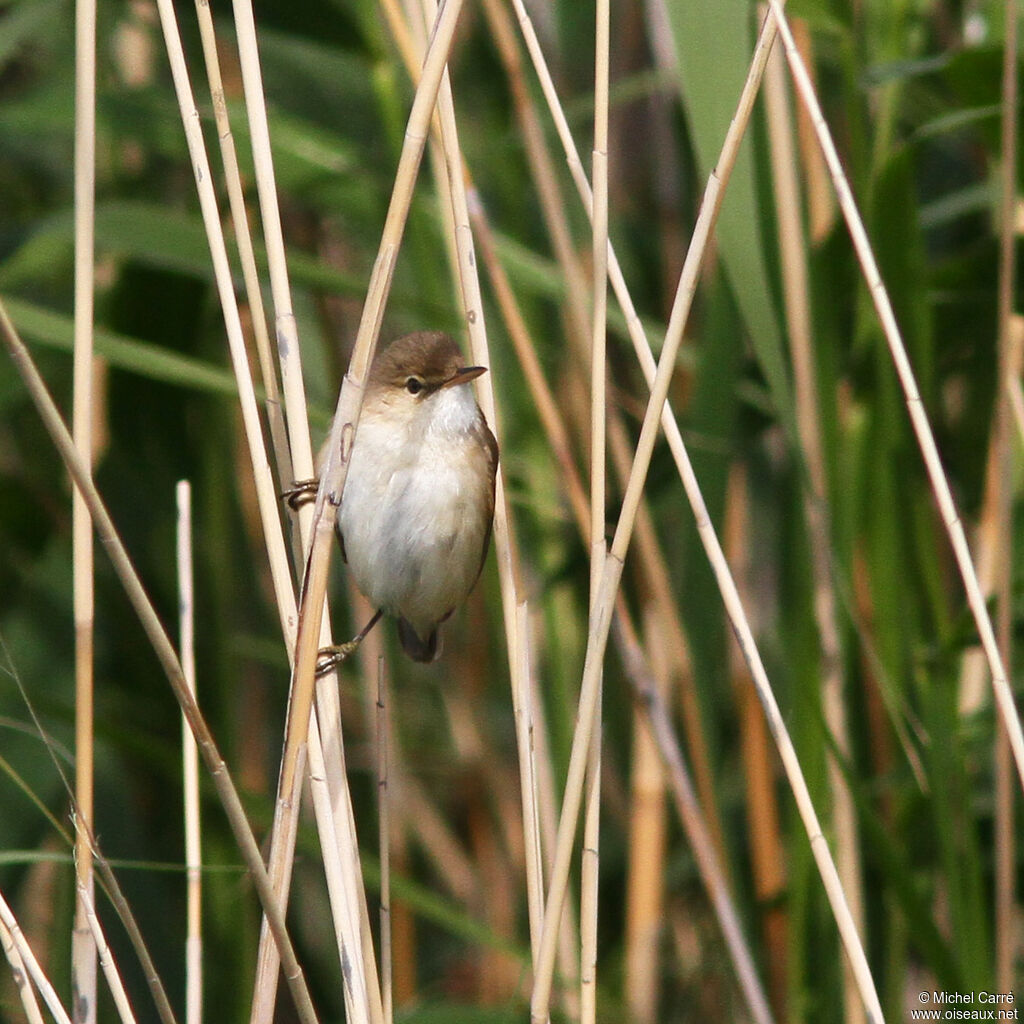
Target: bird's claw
x=300, y=492
x=329, y=658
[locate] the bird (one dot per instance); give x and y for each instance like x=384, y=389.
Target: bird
x=418, y=504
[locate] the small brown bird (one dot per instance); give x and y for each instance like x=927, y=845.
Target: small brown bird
x=416, y=513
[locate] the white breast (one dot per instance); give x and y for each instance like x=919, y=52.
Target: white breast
x=411, y=514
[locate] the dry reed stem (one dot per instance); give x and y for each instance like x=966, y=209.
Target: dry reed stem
x=659, y=723
x=764, y=836
x=298, y=462
x=557, y=224
x=473, y=310
x=246, y=255
x=601, y=611
x=342, y=889
x=106, y=958
x=83, y=947
x=1008, y=365
x=335, y=470
x=20, y=976
x=190, y=765
x=384, y=834
x=265, y=491
x=102, y=865
x=918, y=417
x=645, y=881
x=796, y=295
x=597, y=640
x=590, y=866
x=31, y=964
x=554, y=428
x=166, y=655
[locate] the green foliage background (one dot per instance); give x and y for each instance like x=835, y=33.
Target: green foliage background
x=912, y=97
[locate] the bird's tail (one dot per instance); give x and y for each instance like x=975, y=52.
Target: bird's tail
x=419, y=650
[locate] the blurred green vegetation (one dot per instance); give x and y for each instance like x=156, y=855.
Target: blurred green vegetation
x=911, y=89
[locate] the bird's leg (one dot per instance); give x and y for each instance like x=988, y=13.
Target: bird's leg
x=300, y=492
x=329, y=658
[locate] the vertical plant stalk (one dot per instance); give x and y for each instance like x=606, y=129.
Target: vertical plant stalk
x=473, y=309
x=266, y=493
x=796, y=295
x=246, y=255
x=764, y=835
x=558, y=228
x=598, y=499
x=659, y=723
x=106, y=958
x=83, y=947
x=1008, y=357
x=601, y=611
x=645, y=889
x=19, y=972
x=190, y=766
x=65, y=445
x=915, y=407
x=597, y=640
x=169, y=662
x=338, y=838
x=384, y=819
x=516, y=640
x=556, y=434
x=335, y=470
x=9, y=923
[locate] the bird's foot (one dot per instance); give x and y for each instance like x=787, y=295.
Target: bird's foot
x=329, y=658
x=300, y=492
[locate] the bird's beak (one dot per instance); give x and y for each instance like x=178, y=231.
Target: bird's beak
x=464, y=375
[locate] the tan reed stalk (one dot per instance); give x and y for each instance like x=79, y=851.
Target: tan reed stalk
x=918, y=417
x=246, y=256
x=473, y=307
x=298, y=463
x=555, y=431
x=266, y=493
x=190, y=766
x=26, y=993
x=165, y=655
x=797, y=302
x=598, y=637
x=657, y=719
x=343, y=891
x=472, y=304
x=821, y=204
x=335, y=470
x=102, y=865
x=1012, y=381
x=601, y=613
x=106, y=958
x=1008, y=359
x=384, y=819
x=31, y=964
x=764, y=836
x=557, y=225
x=598, y=498
x=83, y=948
x=645, y=887
x=528, y=785
x=557, y=437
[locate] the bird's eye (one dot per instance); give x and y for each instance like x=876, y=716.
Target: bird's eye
x=414, y=385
